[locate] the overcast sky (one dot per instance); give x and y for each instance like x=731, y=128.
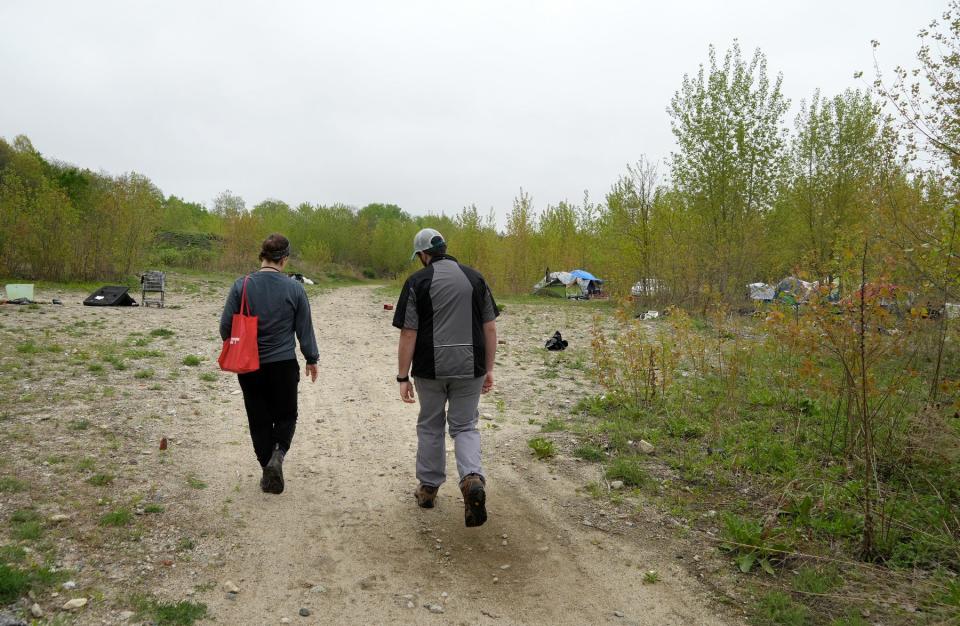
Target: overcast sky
x=429, y=105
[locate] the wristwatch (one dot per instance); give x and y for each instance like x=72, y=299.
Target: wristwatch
x=403, y=379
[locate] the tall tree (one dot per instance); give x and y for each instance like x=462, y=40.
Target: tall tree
x=728, y=122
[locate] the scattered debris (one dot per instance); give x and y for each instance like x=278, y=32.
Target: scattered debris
x=556, y=343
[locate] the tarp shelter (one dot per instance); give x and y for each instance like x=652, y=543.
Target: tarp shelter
x=575, y=284
x=110, y=295
x=792, y=290
x=761, y=292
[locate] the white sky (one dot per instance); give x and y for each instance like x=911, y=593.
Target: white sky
x=428, y=105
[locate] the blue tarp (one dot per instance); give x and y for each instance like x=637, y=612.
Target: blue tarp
x=585, y=275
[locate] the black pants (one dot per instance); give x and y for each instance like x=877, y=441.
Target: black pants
x=270, y=396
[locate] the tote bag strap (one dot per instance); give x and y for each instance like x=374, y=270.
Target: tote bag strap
x=243, y=299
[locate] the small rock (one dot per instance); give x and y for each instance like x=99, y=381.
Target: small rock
x=435, y=608
x=646, y=447
x=617, y=484
x=125, y=615
x=69, y=585
x=503, y=543
x=59, y=517
x=318, y=589
x=285, y=620
x=410, y=604
x=444, y=595
x=304, y=611
x=75, y=604
x=495, y=580
x=505, y=567
x=618, y=613
x=230, y=596
x=36, y=611
x=229, y=587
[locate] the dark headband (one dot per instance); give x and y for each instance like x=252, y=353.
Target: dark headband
x=277, y=254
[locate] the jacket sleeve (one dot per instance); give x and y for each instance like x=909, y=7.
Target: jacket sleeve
x=304, y=328
x=229, y=309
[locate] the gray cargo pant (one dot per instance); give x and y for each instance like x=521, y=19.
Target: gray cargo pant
x=463, y=397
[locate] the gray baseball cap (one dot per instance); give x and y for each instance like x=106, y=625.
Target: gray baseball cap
x=426, y=240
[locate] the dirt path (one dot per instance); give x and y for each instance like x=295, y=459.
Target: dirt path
x=347, y=542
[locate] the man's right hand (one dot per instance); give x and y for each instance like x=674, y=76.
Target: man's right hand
x=406, y=392
x=487, y=383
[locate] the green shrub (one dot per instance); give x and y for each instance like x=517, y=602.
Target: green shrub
x=191, y=360
x=552, y=425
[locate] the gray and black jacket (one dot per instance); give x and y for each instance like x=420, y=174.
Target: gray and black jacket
x=447, y=304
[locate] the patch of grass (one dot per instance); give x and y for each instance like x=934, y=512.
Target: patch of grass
x=54, y=347
x=116, y=518
x=542, y=448
x=186, y=544
x=86, y=464
x=589, y=452
x=117, y=362
x=96, y=368
x=80, y=424
x=28, y=347
x=191, y=360
x=153, y=508
x=208, y=377
x=195, y=482
x=9, y=484
x=13, y=584
x=629, y=470
x=162, y=332
x=143, y=354
x=141, y=342
x=101, y=480
x=778, y=609
x=12, y=554
x=819, y=581
x=651, y=577
x=552, y=425
x=144, y=374
x=25, y=525
x=183, y=613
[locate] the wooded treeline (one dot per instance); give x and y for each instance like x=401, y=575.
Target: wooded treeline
x=747, y=196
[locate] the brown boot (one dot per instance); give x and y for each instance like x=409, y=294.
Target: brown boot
x=474, y=500
x=425, y=495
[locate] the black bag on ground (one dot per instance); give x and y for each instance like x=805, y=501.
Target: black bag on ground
x=556, y=342
x=110, y=296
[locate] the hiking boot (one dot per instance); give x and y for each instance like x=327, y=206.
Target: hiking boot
x=425, y=495
x=474, y=500
x=272, y=481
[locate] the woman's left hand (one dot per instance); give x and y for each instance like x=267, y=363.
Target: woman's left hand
x=312, y=372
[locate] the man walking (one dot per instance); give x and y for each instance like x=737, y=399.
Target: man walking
x=446, y=316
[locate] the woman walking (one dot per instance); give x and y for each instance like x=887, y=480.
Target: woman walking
x=270, y=393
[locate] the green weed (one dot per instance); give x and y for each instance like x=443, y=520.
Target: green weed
x=144, y=374
x=554, y=424
x=778, y=609
x=101, y=480
x=191, y=360
x=629, y=470
x=195, y=483
x=542, y=448
x=589, y=452
x=162, y=332
x=183, y=613
x=9, y=484
x=116, y=518
x=208, y=377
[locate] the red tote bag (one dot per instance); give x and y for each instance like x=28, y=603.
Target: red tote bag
x=240, y=353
